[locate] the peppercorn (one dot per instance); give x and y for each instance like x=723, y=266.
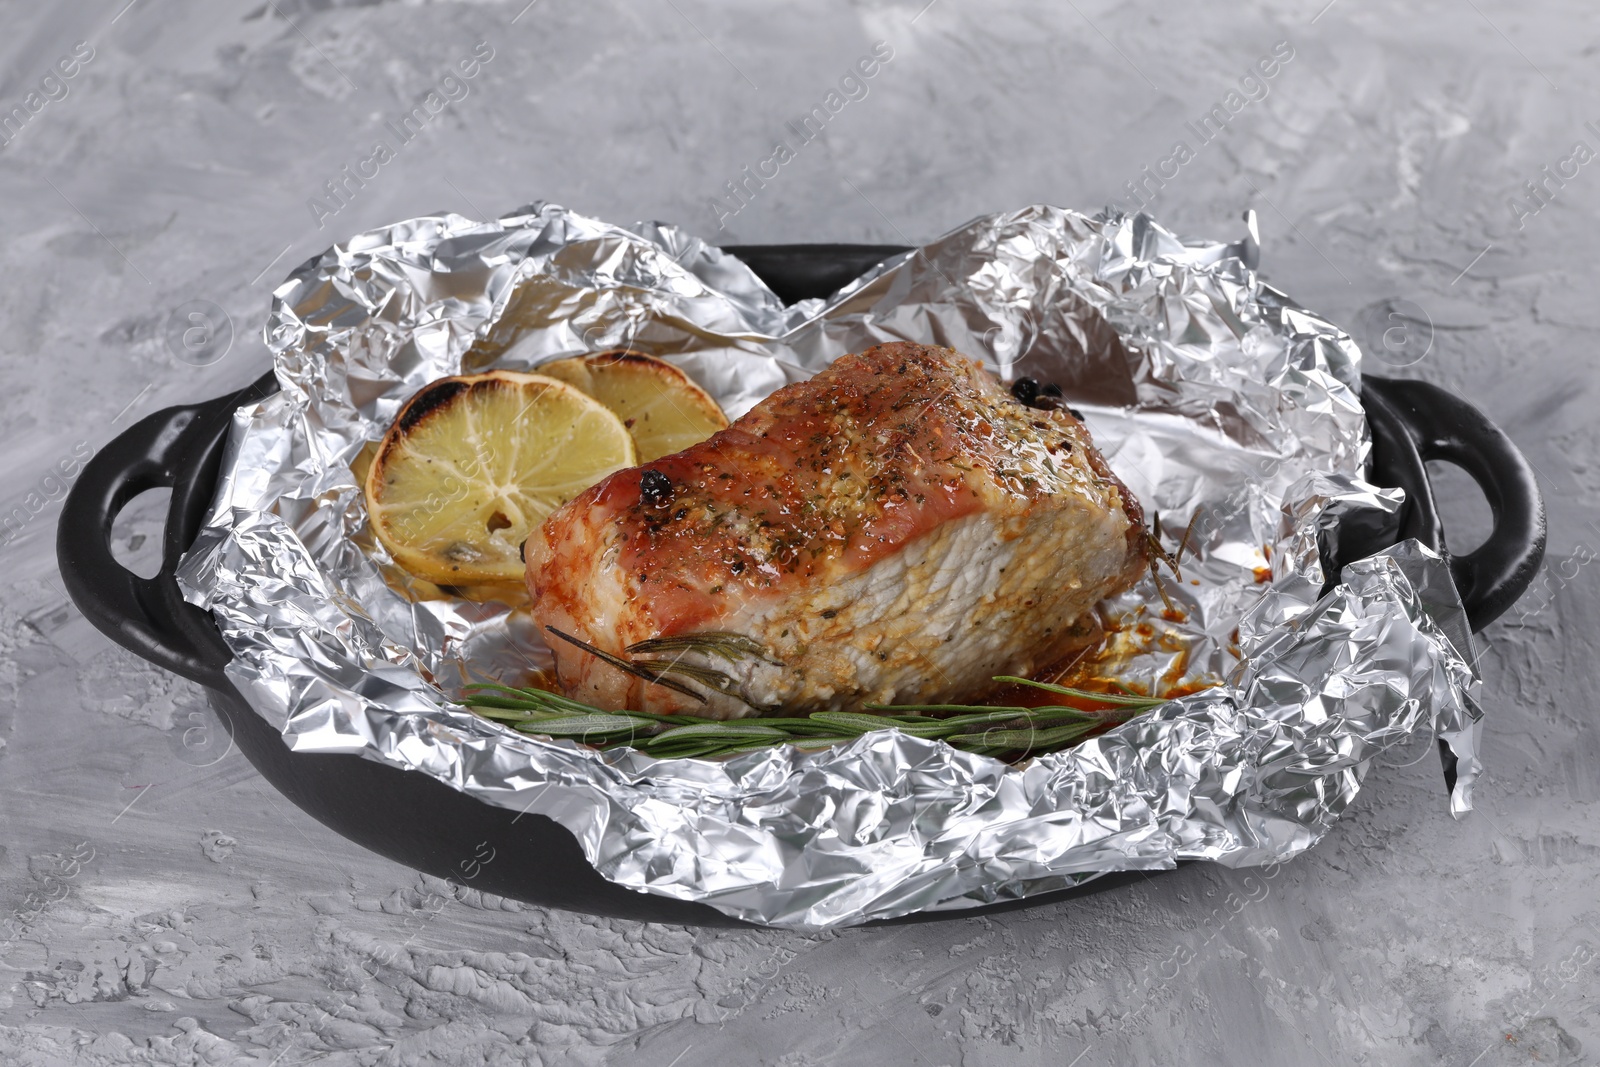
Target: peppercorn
x=655, y=488
x=1026, y=390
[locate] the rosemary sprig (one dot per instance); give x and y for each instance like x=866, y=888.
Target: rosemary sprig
x=730, y=646
x=1011, y=733
x=628, y=668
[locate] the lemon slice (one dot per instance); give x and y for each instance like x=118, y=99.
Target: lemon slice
x=473, y=464
x=659, y=404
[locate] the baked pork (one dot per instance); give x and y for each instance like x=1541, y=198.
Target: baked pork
x=897, y=529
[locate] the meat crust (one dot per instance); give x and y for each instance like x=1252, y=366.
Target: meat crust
x=897, y=529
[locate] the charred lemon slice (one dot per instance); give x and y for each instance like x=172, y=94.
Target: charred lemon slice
x=472, y=464
x=662, y=408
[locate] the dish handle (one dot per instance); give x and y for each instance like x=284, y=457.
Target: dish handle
x=1437, y=425
x=148, y=616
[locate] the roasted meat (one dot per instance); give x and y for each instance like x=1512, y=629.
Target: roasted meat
x=897, y=529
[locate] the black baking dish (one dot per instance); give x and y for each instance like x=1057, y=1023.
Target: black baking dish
x=422, y=823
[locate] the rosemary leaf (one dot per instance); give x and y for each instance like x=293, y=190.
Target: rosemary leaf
x=854, y=723
x=1131, y=700
x=730, y=646
x=731, y=730
x=986, y=716
x=540, y=698
x=865, y=724
x=602, y=724
x=1053, y=712
x=804, y=726
x=670, y=720
x=492, y=711
x=706, y=676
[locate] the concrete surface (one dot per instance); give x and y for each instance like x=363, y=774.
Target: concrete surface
x=167, y=907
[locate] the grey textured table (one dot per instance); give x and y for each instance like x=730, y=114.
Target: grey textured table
x=169, y=907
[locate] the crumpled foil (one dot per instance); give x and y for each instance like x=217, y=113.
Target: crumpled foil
x=1229, y=410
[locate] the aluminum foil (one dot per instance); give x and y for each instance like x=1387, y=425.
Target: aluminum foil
x=1228, y=409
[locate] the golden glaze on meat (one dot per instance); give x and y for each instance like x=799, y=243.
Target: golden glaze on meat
x=896, y=529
